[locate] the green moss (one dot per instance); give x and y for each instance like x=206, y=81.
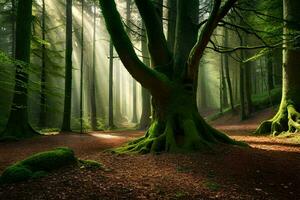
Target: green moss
x=90, y=164
x=38, y=165
x=39, y=174
x=50, y=160
x=16, y=173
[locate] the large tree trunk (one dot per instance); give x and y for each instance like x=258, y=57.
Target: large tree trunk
x=288, y=117
x=176, y=125
x=18, y=125
x=66, y=125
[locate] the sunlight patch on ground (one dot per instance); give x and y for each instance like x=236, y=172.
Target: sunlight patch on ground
x=269, y=143
x=107, y=136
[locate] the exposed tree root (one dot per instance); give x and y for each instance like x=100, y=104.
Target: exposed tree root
x=178, y=134
x=286, y=120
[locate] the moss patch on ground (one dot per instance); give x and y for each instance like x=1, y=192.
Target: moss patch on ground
x=38, y=165
x=90, y=164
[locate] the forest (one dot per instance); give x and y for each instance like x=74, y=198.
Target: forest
x=149, y=99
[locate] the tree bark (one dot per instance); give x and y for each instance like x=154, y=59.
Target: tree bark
x=111, y=124
x=287, y=118
x=146, y=102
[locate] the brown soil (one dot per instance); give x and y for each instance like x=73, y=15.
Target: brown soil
x=269, y=170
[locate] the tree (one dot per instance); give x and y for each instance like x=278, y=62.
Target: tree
x=43, y=107
x=111, y=124
x=93, y=81
x=227, y=74
x=81, y=66
x=177, y=125
x=66, y=125
x=288, y=116
x=18, y=124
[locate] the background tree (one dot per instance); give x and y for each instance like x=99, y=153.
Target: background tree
x=93, y=81
x=43, y=106
x=111, y=124
x=18, y=125
x=66, y=125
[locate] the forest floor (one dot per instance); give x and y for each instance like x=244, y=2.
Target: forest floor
x=268, y=170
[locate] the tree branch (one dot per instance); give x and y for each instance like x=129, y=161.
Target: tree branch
x=157, y=43
x=196, y=54
x=148, y=77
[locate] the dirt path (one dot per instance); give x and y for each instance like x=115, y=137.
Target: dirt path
x=269, y=170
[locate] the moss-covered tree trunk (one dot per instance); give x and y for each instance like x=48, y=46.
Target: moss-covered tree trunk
x=172, y=82
x=287, y=118
x=66, y=125
x=18, y=125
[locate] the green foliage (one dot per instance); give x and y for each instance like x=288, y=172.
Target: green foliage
x=38, y=165
x=266, y=99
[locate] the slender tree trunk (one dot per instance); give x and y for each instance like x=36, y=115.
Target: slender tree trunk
x=227, y=74
x=81, y=66
x=43, y=106
x=93, y=81
x=110, y=95
x=269, y=59
x=248, y=88
x=66, y=125
x=172, y=6
x=223, y=83
x=13, y=28
x=242, y=89
x=18, y=124
x=288, y=117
